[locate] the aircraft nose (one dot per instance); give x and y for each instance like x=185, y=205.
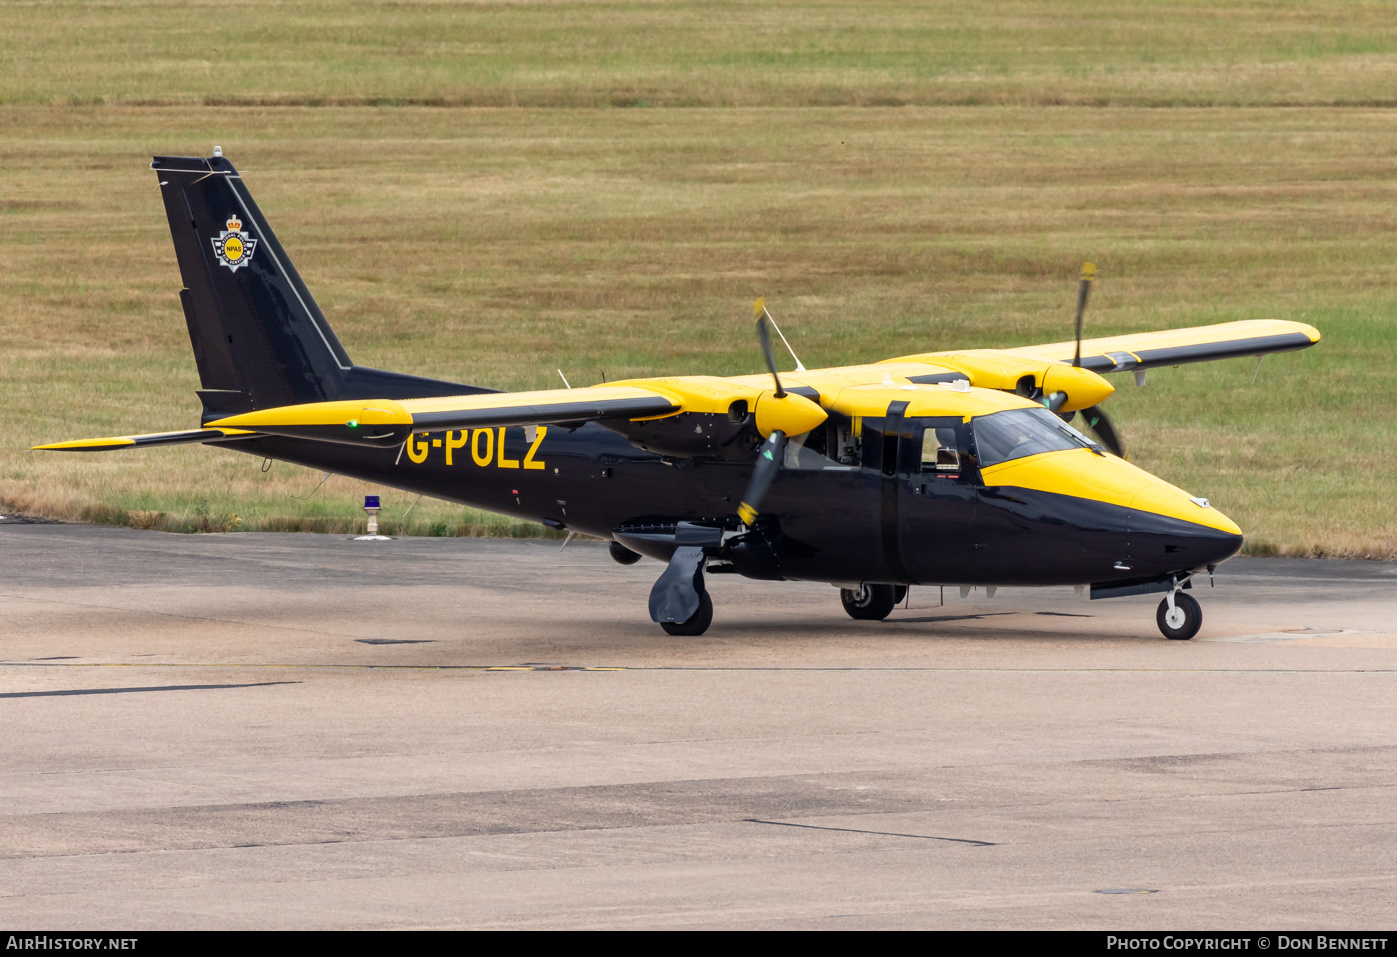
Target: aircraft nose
x=1170, y=526
x=1130, y=523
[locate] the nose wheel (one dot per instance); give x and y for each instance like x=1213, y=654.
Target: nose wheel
x=1179, y=616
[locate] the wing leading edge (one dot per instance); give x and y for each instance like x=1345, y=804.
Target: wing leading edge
x=1173, y=347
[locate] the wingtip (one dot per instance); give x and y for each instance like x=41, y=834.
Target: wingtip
x=84, y=445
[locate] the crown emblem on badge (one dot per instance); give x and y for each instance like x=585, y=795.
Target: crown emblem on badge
x=233, y=246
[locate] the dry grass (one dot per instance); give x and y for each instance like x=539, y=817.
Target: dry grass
x=772, y=53
x=492, y=245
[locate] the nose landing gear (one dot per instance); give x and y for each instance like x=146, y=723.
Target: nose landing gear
x=1179, y=616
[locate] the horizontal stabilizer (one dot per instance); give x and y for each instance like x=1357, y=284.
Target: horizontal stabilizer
x=193, y=437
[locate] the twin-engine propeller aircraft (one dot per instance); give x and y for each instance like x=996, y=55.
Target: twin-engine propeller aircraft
x=939, y=468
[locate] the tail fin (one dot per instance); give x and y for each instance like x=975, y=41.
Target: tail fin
x=259, y=338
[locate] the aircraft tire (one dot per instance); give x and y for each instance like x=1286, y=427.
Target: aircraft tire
x=696, y=624
x=1186, y=620
x=622, y=555
x=869, y=602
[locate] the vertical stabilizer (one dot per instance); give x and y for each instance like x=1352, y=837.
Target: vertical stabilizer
x=254, y=326
x=259, y=338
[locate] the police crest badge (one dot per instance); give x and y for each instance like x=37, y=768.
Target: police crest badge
x=233, y=247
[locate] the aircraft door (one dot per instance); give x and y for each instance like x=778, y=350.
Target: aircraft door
x=937, y=480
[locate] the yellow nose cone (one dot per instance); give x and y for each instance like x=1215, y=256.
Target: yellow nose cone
x=1084, y=388
x=792, y=414
x=1161, y=498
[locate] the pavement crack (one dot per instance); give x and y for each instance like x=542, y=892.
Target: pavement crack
x=76, y=691
x=855, y=830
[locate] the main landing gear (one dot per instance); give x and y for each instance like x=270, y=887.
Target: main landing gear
x=679, y=602
x=871, y=602
x=695, y=624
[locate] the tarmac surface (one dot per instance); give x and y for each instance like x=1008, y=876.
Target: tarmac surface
x=301, y=731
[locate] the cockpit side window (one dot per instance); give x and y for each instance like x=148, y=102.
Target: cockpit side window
x=1017, y=433
x=939, y=452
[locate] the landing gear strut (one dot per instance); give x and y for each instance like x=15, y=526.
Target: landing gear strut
x=1179, y=616
x=871, y=602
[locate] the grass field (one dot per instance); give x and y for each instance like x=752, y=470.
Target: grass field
x=487, y=192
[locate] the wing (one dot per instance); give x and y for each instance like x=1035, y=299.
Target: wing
x=1172, y=347
x=645, y=410
x=389, y=421
x=193, y=437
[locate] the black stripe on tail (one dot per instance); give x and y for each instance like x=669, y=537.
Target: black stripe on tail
x=259, y=338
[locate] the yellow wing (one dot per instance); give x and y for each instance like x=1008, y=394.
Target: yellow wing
x=388, y=422
x=1172, y=347
x=626, y=406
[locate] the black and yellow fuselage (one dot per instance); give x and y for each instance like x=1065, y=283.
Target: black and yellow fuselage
x=875, y=509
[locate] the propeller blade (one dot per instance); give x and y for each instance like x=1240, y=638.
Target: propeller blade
x=759, y=308
x=1054, y=400
x=1095, y=419
x=768, y=466
x=1083, y=291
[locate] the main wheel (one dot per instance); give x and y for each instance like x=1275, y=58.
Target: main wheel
x=1181, y=623
x=869, y=602
x=621, y=554
x=696, y=624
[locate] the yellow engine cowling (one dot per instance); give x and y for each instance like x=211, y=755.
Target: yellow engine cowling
x=792, y=414
x=1084, y=388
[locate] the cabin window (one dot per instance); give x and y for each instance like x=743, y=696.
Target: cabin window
x=831, y=445
x=1018, y=433
x=939, y=453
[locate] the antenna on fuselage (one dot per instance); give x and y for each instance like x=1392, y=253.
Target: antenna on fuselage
x=759, y=308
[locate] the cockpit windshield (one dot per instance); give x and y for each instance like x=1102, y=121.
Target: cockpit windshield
x=1017, y=433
